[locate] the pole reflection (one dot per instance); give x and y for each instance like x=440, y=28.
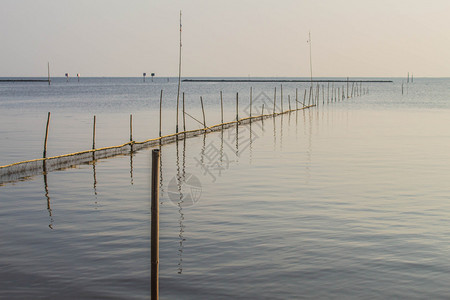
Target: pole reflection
x=180, y=181
x=95, y=181
x=131, y=165
x=47, y=194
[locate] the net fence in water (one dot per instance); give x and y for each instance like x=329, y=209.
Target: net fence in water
x=25, y=169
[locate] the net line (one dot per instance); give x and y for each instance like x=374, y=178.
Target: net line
x=25, y=169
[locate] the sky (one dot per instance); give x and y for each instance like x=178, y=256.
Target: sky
x=257, y=38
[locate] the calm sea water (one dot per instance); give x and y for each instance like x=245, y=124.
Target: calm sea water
x=345, y=200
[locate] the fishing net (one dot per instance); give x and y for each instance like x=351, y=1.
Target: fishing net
x=25, y=169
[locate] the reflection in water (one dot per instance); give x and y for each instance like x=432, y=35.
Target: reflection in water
x=184, y=158
x=274, y=135
x=221, y=147
x=131, y=165
x=95, y=178
x=289, y=123
x=161, y=187
x=47, y=196
x=309, y=148
x=281, y=133
x=251, y=143
x=202, y=152
x=181, y=173
x=237, y=141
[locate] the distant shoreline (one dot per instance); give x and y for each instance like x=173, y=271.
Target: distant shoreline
x=24, y=80
x=282, y=80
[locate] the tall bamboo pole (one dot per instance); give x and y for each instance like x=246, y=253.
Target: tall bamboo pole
x=179, y=75
x=310, y=58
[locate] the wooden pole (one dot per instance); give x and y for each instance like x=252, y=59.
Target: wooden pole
x=160, y=112
x=281, y=95
x=46, y=136
x=323, y=94
x=221, y=107
x=347, y=87
x=296, y=99
x=155, y=226
x=274, y=99
x=289, y=101
x=310, y=95
x=93, y=132
x=318, y=95
x=333, y=98
x=262, y=110
x=237, y=106
x=304, y=98
x=184, y=116
x=131, y=127
x=353, y=85
x=328, y=92
x=251, y=95
x=203, y=111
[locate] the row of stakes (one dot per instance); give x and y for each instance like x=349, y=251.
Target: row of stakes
x=335, y=94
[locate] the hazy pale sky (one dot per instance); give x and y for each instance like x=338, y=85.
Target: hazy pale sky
x=225, y=38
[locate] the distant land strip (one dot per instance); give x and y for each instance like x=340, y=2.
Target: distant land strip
x=282, y=80
x=23, y=80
